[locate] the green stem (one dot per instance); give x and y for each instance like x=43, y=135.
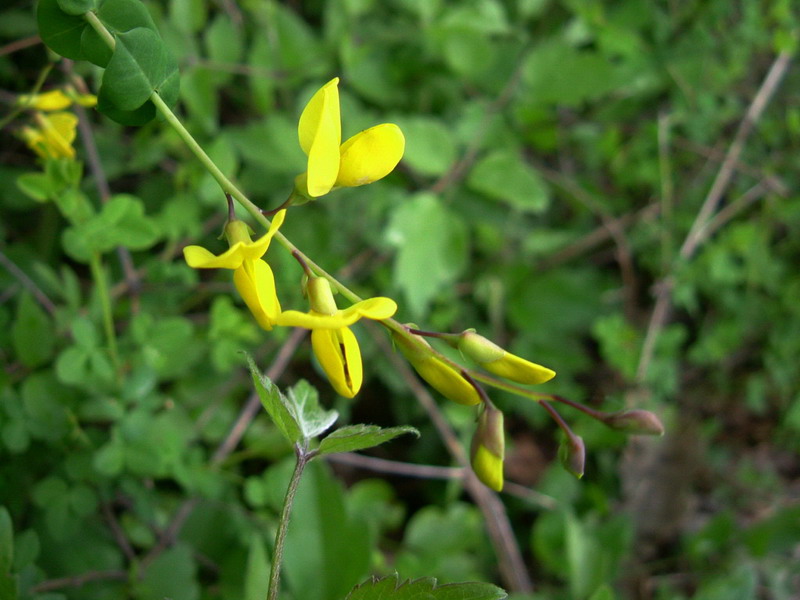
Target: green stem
x=100, y=282
x=283, y=524
x=230, y=188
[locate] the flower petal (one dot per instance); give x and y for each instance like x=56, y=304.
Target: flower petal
x=352, y=358
x=52, y=100
x=370, y=155
x=257, y=249
x=200, y=258
x=373, y=308
x=340, y=357
x=315, y=320
x=518, y=369
x=59, y=130
x=256, y=285
x=320, y=134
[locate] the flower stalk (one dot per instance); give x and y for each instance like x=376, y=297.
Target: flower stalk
x=303, y=457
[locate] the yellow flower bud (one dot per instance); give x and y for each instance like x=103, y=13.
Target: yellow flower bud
x=499, y=362
x=437, y=373
x=488, y=448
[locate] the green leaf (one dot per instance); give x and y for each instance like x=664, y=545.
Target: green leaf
x=32, y=332
x=36, y=186
x=140, y=65
x=359, y=437
x=390, y=588
x=430, y=147
x=257, y=574
x=503, y=175
x=312, y=418
x=6, y=541
x=275, y=404
x=121, y=222
x=604, y=592
x=59, y=31
x=76, y=7
x=118, y=16
x=173, y=575
x=557, y=73
x=324, y=540
x=432, y=242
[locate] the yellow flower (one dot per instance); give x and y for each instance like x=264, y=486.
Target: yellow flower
x=364, y=158
x=488, y=448
x=333, y=343
x=56, y=100
x=251, y=275
x=440, y=376
x=53, y=135
x=498, y=361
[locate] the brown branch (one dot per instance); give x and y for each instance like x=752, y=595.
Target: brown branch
x=462, y=166
x=248, y=412
x=95, y=164
x=623, y=252
x=79, y=580
x=253, y=403
x=393, y=467
x=28, y=283
x=697, y=233
x=509, y=557
x=117, y=532
x=21, y=44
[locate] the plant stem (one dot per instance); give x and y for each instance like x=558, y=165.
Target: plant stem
x=230, y=188
x=99, y=276
x=283, y=524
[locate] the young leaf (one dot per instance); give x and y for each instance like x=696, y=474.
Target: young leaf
x=359, y=437
x=312, y=418
x=276, y=404
x=390, y=588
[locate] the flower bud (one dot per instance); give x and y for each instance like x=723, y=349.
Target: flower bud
x=237, y=231
x=320, y=296
x=572, y=453
x=499, y=362
x=488, y=448
x=641, y=422
x=437, y=373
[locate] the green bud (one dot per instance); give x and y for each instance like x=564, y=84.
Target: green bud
x=320, y=296
x=237, y=231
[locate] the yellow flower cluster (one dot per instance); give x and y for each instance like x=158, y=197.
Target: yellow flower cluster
x=53, y=131
x=364, y=158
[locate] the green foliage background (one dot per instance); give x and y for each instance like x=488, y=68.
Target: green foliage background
x=558, y=153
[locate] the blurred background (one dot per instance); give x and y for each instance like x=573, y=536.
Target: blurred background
x=606, y=188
